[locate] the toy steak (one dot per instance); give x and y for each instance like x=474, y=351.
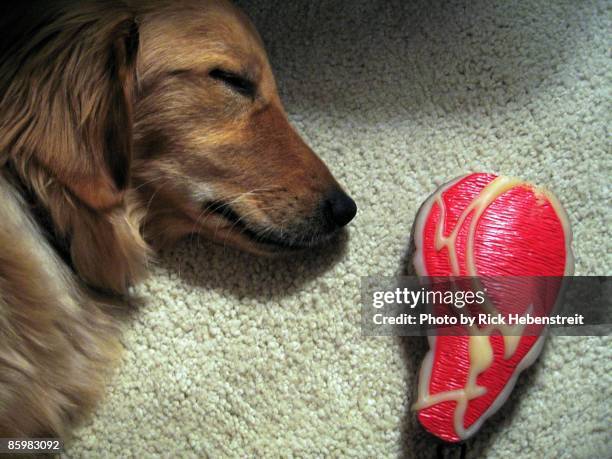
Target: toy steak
x=484, y=225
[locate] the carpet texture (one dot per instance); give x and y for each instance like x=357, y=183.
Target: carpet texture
x=236, y=356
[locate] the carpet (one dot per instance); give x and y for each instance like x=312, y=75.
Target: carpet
x=235, y=356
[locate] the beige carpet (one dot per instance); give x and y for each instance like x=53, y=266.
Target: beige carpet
x=236, y=356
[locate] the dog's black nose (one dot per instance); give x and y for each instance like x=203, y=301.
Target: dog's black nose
x=340, y=207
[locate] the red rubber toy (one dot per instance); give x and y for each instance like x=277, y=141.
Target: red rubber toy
x=484, y=225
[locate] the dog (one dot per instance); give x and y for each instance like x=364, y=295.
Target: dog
x=125, y=126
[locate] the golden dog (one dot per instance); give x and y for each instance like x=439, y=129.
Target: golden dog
x=125, y=125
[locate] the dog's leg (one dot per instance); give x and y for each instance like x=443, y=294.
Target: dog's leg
x=56, y=343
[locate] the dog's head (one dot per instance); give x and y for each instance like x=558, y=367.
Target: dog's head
x=214, y=151
x=114, y=109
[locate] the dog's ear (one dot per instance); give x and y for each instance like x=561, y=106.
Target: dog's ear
x=67, y=84
x=99, y=91
x=69, y=101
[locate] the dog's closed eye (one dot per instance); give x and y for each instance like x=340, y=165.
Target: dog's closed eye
x=236, y=82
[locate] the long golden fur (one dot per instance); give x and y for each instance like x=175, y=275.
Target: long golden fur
x=125, y=125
